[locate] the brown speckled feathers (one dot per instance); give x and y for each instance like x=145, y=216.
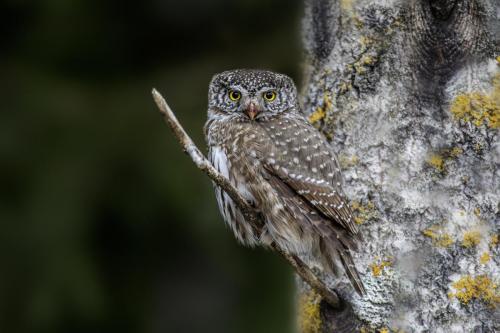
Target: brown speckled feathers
x=283, y=165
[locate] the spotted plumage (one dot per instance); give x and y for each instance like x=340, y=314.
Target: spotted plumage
x=259, y=140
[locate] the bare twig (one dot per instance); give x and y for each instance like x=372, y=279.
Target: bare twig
x=251, y=216
x=307, y=275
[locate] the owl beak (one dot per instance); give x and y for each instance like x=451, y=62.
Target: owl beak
x=252, y=110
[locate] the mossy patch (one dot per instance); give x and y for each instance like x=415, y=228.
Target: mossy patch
x=439, y=238
x=310, y=312
x=480, y=287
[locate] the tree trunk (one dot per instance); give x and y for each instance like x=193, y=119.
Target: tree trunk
x=409, y=94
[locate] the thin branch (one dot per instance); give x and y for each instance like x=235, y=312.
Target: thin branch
x=251, y=216
x=307, y=275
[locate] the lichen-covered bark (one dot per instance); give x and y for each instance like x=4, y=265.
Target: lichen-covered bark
x=409, y=94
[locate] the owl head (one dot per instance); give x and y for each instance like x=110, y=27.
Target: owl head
x=251, y=95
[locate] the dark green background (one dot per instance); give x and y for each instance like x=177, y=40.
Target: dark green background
x=105, y=225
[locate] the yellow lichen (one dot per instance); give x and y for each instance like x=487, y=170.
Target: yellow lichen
x=384, y=330
x=480, y=287
x=437, y=162
x=456, y=151
x=495, y=94
x=498, y=59
x=346, y=5
x=494, y=240
x=484, y=258
x=367, y=60
x=471, y=238
x=438, y=237
x=348, y=161
x=477, y=211
x=365, y=41
x=477, y=108
x=344, y=87
x=309, y=315
x=358, y=22
x=317, y=115
x=378, y=267
x=444, y=241
x=363, y=212
x=321, y=111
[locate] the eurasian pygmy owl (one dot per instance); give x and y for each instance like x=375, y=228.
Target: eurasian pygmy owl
x=259, y=139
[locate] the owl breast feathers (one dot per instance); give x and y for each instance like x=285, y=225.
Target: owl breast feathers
x=260, y=141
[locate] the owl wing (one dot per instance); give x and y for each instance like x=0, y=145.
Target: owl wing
x=304, y=200
x=304, y=161
x=319, y=195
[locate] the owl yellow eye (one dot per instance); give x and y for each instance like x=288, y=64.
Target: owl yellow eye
x=269, y=95
x=234, y=95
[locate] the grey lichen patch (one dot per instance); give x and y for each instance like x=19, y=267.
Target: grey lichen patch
x=321, y=28
x=371, y=35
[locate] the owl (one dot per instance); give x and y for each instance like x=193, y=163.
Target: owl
x=258, y=138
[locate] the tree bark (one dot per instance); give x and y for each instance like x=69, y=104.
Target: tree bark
x=409, y=94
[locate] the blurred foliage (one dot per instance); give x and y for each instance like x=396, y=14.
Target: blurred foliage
x=106, y=225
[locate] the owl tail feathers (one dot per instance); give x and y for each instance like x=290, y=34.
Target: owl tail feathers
x=352, y=272
x=330, y=253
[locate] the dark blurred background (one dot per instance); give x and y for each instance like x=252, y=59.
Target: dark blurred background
x=105, y=225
